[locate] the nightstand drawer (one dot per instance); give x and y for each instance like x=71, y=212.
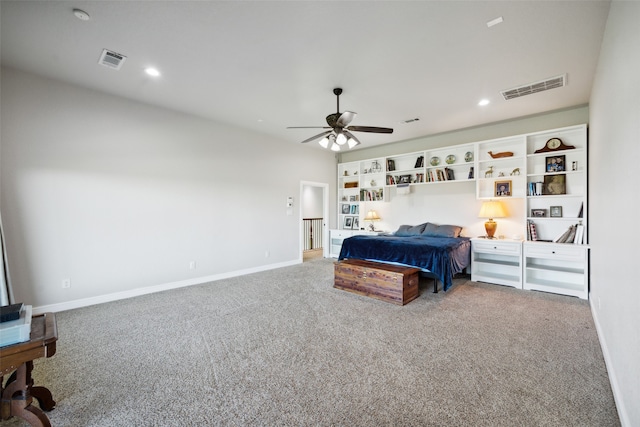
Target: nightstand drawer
x=341, y=233
x=497, y=247
x=557, y=251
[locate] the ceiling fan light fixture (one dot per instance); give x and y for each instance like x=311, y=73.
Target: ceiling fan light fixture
x=324, y=142
x=341, y=139
x=352, y=142
x=335, y=146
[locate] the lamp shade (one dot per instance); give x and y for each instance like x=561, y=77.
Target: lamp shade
x=372, y=216
x=492, y=209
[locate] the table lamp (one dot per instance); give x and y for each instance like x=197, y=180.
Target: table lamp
x=491, y=209
x=371, y=217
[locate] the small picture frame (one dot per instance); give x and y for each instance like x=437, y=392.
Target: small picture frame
x=346, y=209
x=348, y=223
x=538, y=213
x=503, y=188
x=555, y=184
x=555, y=211
x=555, y=164
x=355, y=225
x=353, y=199
x=355, y=210
x=404, y=179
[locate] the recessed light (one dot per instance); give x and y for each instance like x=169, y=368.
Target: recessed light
x=483, y=102
x=493, y=22
x=81, y=14
x=153, y=72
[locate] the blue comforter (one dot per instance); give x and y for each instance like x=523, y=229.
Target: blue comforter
x=442, y=256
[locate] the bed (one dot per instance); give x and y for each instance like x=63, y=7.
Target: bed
x=437, y=250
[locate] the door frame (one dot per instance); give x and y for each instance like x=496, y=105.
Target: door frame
x=325, y=216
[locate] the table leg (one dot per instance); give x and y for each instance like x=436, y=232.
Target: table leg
x=16, y=398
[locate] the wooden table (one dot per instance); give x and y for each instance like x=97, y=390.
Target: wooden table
x=18, y=393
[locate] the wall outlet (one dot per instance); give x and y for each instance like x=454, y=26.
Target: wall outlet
x=66, y=283
x=192, y=265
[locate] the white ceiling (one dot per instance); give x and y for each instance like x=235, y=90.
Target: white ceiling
x=266, y=65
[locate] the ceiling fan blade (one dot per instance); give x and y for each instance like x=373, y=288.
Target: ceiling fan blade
x=372, y=129
x=318, y=136
x=308, y=127
x=345, y=118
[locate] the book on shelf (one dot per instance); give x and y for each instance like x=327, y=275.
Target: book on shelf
x=534, y=189
x=579, y=234
x=371, y=195
x=533, y=233
x=448, y=172
x=563, y=236
x=419, y=162
x=391, y=165
x=574, y=234
x=581, y=210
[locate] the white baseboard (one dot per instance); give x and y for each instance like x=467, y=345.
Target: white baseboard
x=617, y=395
x=84, y=302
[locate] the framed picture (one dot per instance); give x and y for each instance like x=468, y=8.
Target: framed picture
x=503, y=188
x=346, y=209
x=404, y=179
x=555, y=211
x=356, y=223
x=348, y=222
x=555, y=184
x=555, y=164
x=355, y=210
x=353, y=199
x=538, y=212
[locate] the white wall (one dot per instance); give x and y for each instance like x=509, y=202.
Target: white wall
x=118, y=196
x=312, y=202
x=613, y=204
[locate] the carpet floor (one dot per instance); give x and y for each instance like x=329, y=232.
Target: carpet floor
x=284, y=348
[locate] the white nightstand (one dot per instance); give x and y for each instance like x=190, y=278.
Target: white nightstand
x=337, y=236
x=561, y=268
x=497, y=261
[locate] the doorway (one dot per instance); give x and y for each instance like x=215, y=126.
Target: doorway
x=314, y=214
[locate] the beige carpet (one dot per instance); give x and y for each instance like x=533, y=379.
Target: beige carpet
x=283, y=348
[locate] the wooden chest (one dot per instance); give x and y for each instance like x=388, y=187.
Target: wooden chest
x=393, y=283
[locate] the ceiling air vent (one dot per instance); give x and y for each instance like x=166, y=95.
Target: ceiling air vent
x=531, y=88
x=111, y=59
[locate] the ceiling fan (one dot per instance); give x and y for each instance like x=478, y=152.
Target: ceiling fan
x=339, y=132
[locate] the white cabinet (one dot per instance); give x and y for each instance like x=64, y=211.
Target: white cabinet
x=557, y=183
x=359, y=182
x=557, y=268
x=497, y=261
x=337, y=236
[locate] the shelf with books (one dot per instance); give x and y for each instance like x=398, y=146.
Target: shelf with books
x=557, y=181
x=556, y=259
x=405, y=169
x=454, y=163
